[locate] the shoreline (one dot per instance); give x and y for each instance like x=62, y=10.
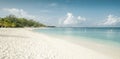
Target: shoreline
x=104, y=48
x=22, y=43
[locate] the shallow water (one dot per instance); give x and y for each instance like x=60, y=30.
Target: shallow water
x=103, y=34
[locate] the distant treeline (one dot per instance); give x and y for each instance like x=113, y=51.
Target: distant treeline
x=13, y=21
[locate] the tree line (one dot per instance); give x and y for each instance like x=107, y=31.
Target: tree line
x=13, y=21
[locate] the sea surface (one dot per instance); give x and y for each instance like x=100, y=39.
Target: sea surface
x=100, y=34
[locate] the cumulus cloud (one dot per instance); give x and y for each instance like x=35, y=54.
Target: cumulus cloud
x=70, y=19
x=111, y=20
x=19, y=13
x=81, y=18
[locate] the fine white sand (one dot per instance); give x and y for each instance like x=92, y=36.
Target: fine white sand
x=21, y=43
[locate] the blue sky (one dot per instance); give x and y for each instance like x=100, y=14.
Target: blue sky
x=65, y=12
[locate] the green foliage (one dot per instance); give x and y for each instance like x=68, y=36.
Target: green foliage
x=12, y=21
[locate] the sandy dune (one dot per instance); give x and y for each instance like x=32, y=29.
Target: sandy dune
x=18, y=43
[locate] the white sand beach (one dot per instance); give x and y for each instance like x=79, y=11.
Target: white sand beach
x=20, y=43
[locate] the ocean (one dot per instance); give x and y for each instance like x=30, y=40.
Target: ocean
x=109, y=35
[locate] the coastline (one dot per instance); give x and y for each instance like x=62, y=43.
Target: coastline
x=22, y=43
x=111, y=49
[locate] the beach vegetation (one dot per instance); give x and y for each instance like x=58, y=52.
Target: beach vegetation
x=13, y=21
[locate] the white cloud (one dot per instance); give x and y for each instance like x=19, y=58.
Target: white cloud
x=70, y=19
x=111, y=20
x=81, y=18
x=19, y=13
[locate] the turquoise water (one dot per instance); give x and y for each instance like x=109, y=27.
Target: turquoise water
x=105, y=34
